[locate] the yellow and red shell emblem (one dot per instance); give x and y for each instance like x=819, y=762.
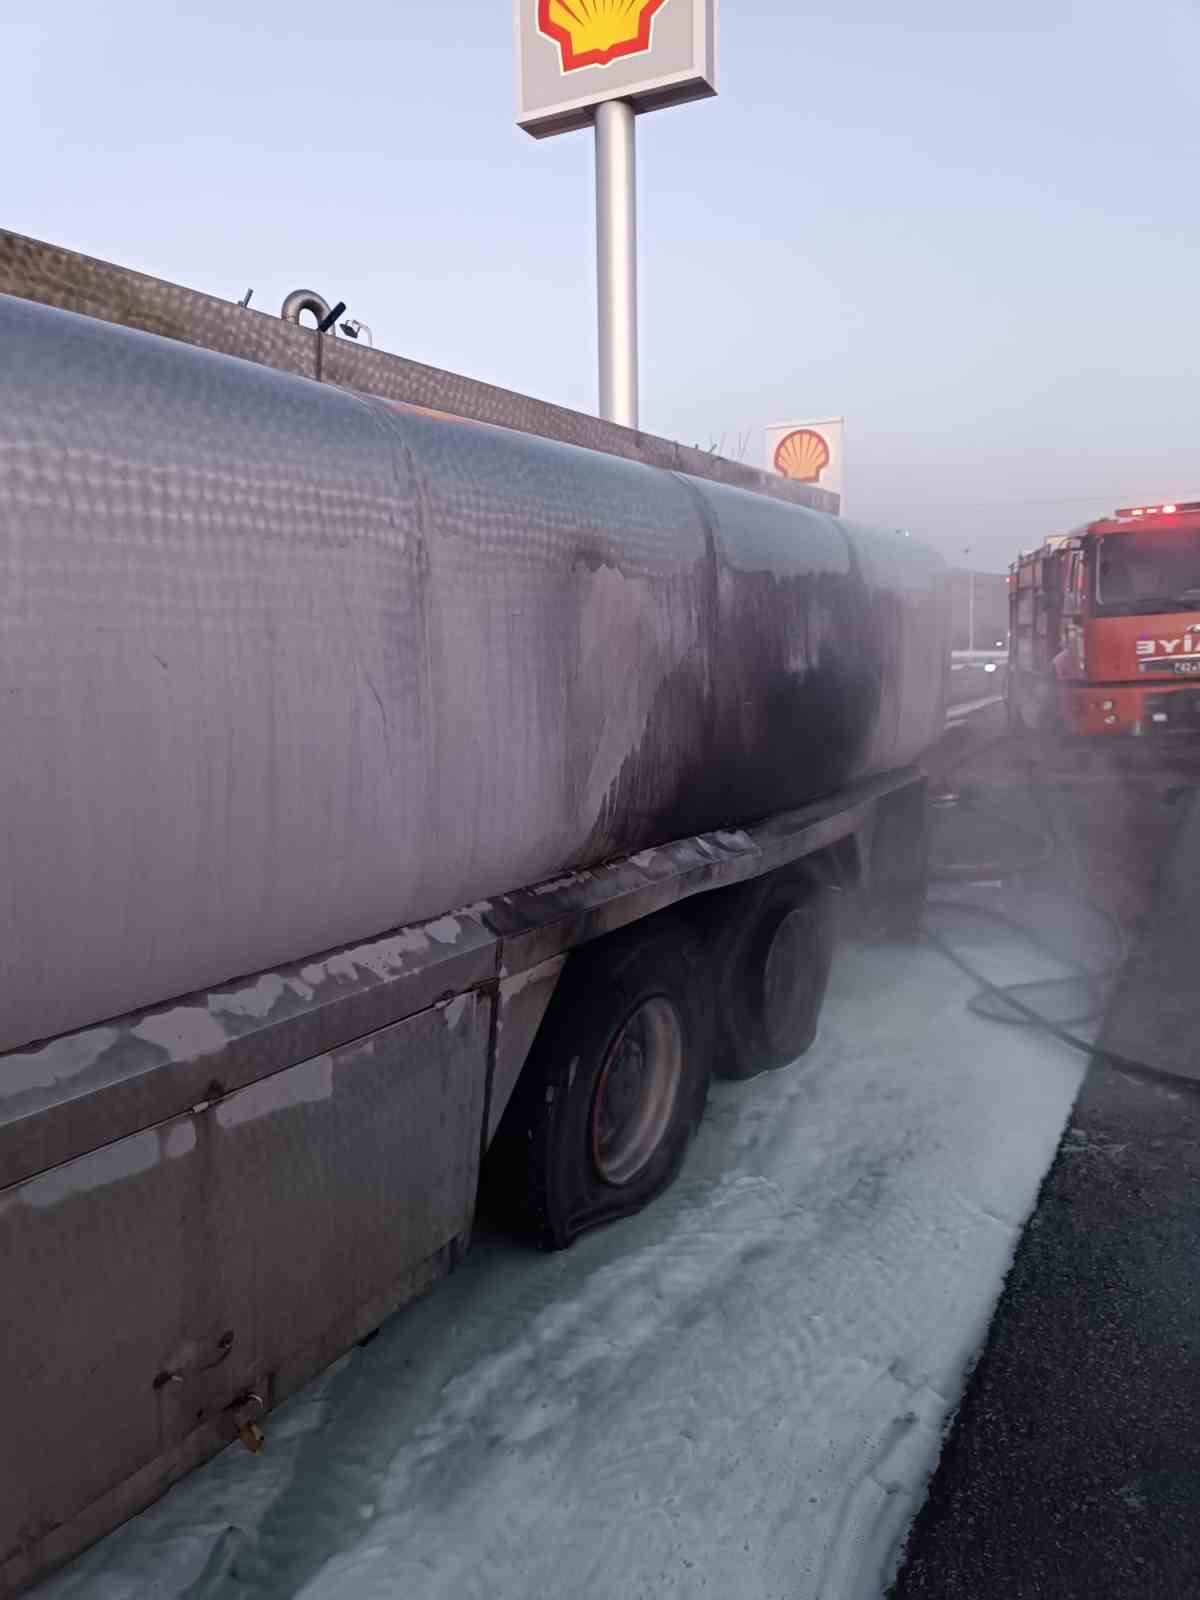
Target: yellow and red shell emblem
x=591, y=33
x=802, y=455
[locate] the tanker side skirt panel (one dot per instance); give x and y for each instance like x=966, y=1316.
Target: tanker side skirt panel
x=211, y=1264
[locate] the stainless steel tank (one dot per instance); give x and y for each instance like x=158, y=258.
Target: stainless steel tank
x=282, y=666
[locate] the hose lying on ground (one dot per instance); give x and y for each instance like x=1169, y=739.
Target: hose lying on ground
x=1003, y=996
x=1010, y=1003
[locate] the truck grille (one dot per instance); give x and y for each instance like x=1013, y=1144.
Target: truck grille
x=1178, y=712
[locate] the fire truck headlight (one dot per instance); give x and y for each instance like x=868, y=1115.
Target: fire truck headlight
x=1110, y=719
x=1108, y=705
x=989, y=666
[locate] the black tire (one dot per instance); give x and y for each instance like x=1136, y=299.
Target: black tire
x=614, y=1087
x=772, y=942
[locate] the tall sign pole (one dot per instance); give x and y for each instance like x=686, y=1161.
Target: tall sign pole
x=616, y=260
x=602, y=62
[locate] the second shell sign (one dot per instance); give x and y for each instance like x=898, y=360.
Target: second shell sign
x=573, y=54
x=808, y=452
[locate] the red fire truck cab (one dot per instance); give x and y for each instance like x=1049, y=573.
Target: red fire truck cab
x=1105, y=627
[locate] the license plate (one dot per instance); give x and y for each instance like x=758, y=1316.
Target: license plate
x=1183, y=666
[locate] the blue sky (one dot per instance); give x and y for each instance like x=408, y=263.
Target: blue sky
x=972, y=230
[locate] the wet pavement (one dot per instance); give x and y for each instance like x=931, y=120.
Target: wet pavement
x=1072, y=1468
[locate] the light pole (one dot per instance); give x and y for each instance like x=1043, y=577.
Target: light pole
x=971, y=610
x=970, y=603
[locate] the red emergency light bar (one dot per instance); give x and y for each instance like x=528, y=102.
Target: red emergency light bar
x=1158, y=511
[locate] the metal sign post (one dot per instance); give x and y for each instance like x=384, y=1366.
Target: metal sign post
x=603, y=62
x=616, y=260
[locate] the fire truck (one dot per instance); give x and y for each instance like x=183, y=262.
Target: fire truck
x=1105, y=627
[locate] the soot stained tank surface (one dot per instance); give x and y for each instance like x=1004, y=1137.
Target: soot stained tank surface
x=283, y=666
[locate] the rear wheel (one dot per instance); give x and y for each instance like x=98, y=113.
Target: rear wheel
x=614, y=1087
x=772, y=944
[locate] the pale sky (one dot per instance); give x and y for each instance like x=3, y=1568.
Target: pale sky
x=970, y=229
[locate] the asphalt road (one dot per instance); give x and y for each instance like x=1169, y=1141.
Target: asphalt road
x=971, y=683
x=1072, y=1470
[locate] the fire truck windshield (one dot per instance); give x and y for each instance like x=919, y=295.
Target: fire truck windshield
x=1148, y=571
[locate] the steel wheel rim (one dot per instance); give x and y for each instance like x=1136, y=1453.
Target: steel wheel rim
x=637, y=1091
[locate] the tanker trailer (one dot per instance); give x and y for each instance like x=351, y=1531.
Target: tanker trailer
x=386, y=796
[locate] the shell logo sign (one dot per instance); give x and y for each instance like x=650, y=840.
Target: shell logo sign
x=573, y=55
x=591, y=33
x=802, y=455
x=808, y=452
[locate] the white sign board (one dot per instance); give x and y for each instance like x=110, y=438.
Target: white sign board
x=573, y=54
x=808, y=452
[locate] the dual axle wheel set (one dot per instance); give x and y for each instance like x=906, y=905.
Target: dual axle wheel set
x=617, y=1080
